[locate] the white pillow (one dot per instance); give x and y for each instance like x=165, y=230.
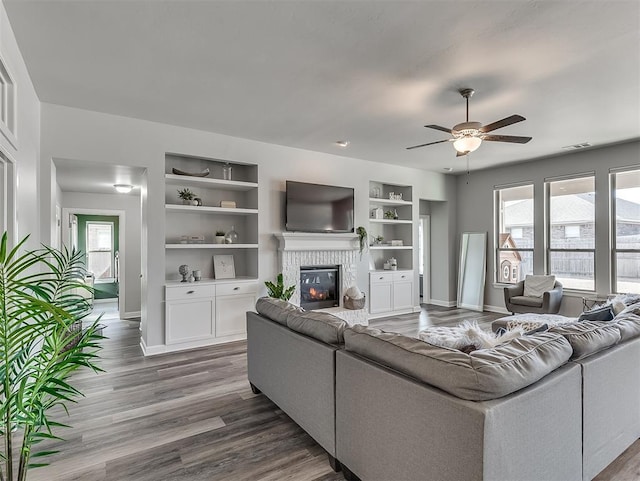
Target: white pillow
x=536, y=286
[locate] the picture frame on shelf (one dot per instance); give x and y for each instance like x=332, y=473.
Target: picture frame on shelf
x=224, y=267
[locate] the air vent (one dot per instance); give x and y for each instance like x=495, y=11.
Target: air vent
x=583, y=145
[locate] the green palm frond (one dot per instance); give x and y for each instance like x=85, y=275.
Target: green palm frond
x=40, y=347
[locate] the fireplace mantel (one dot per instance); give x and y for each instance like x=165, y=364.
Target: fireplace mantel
x=304, y=241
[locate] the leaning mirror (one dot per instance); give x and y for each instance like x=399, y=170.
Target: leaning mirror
x=471, y=276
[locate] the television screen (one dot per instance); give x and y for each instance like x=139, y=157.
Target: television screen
x=319, y=208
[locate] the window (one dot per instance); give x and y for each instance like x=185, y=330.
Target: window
x=100, y=250
x=571, y=204
x=514, y=233
x=625, y=221
x=7, y=102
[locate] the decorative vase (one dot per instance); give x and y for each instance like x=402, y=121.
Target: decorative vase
x=227, y=172
x=184, y=272
x=231, y=237
x=186, y=202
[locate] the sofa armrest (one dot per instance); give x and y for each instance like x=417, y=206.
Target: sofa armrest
x=552, y=299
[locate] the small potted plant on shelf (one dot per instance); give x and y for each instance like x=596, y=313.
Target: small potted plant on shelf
x=220, y=236
x=187, y=196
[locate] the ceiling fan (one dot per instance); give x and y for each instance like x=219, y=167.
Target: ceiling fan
x=468, y=136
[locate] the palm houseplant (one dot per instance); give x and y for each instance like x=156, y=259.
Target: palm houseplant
x=42, y=342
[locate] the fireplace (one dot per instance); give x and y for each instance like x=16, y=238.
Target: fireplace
x=319, y=286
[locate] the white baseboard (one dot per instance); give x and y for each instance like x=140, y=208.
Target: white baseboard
x=440, y=303
x=185, y=346
x=131, y=315
x=498, y=309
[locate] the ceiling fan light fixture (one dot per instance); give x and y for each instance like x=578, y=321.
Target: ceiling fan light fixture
x=123, y=188
x=467, y=144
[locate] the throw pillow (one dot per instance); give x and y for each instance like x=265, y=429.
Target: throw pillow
x=536, y=286
x=604, y=313
x=617, y=306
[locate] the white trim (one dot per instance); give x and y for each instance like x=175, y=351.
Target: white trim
x=151, y=350
x=185, y=346
x=591, y=173
x=437, y=302
x=132, y=315
x=617, y=170
x=498, y=309
x=303, y=241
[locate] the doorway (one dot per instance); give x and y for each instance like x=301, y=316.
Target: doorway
x=100, y=235
x=424, y=257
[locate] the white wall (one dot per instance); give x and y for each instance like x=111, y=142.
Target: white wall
x=475, y=208
x=25, y=151
x=130, y=204
x=78, y=134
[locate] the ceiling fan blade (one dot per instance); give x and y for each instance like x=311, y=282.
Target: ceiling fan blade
x=460, y=154
x=437, y=127
x=502, y=123
x=507, y=138
x=430, y=143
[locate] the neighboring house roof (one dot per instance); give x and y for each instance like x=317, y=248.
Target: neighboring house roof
x=568, y=209
x=507, y=242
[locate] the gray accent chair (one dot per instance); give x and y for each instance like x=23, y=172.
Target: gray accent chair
x=516, y=301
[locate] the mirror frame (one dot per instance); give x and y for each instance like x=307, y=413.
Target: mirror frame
x=472, y=270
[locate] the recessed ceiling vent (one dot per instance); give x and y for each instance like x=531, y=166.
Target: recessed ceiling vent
x=583, y=145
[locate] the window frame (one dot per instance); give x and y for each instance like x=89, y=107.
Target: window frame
x=613, y=224
x=113, y=251
x=498, y=267
x=548, y=250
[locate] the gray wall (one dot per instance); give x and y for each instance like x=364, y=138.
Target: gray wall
x=109, y=139
x=475, y=209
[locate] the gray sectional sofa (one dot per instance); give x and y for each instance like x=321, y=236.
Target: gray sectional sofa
x=558, y=405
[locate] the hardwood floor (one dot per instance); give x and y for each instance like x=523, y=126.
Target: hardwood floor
x=192, y=416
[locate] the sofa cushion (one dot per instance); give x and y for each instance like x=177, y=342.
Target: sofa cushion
x=603, y=313
x=276, y=309
x=536, y=286
x=631, y=309
x=527, y=301
x=481, y=375
x=588, y=337
x=319, y=325
x=628, y=326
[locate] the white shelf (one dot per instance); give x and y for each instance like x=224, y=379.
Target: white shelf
x=383, y=201
x=390, y=221
x=211, y=246
x=207, y=281
x=172, y=179
x=388, y=247
x=201, y=209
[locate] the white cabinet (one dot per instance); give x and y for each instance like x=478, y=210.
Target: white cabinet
x=380, y=292
x=390, y=291
x=189, y=313
x=206, y=313
x=402, y=290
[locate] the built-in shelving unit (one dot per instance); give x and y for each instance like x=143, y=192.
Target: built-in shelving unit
x=206, y=219
x=209, y=311
x=391, y=218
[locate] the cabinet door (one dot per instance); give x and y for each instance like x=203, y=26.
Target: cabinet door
x=231, y=314
x=402, y=295
x=189, y=320
x=380, y=297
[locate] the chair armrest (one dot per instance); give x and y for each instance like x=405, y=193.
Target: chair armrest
x=552, y=299
x=512, y=291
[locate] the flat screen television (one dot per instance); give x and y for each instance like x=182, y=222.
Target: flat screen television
x=318, y=208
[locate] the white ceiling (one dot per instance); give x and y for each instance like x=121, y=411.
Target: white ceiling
x=78, y=176
x=308, y=73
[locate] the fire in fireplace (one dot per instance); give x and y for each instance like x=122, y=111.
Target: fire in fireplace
x=319, y=286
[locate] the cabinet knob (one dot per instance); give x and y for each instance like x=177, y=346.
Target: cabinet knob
x=236, y=288
x=380, y=278
x=190, y=292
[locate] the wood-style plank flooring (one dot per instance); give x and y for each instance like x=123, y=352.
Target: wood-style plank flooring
x=191, y=416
